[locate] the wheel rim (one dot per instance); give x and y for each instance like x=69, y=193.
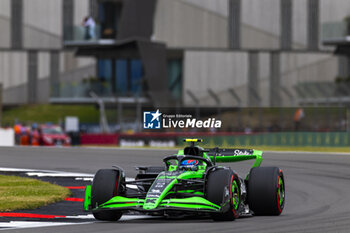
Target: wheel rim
x=280, y=191
x=235, y=195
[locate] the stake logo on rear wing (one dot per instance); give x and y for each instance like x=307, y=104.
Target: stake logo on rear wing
x=242, y=152
x=230, y=152
x=235, y=155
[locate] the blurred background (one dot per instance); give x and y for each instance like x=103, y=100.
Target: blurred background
x=276, y=72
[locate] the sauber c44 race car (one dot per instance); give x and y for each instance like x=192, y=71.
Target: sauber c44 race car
x=190, y=183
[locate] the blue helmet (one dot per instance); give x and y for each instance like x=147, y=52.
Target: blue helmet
x=189, y=163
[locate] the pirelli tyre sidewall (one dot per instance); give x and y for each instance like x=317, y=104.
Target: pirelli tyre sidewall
x=106, y=184
x=223, y=188
x=266, y=191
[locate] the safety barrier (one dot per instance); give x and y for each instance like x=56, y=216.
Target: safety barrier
x=319, y=139
x=291, y=139
x=7, y=137
x=99, y=139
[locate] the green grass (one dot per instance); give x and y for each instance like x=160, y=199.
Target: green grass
x=50, y=113
x=25, y=193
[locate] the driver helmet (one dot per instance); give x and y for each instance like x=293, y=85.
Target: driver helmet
x=189, y=164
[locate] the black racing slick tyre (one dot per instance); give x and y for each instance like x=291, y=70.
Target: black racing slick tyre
x=223, y=189
x=266, y=191
x=105, y=185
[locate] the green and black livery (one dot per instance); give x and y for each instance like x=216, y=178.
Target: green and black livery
x=202, y=188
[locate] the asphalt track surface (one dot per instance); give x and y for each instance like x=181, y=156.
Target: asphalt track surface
x=317, y=190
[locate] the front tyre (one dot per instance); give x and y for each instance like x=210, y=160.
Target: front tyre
x=105, y=185
x=266, y=191
x=223, y=188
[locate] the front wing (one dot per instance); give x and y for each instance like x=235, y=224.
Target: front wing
x=190, y=204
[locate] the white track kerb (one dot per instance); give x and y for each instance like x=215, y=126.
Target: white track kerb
x=49, y=173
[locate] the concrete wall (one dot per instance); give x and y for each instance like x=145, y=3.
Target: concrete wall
x=83, y=68
x=217, y=71
x=13, y=75
x=69, y=62
x=42, y=30
x=42, y=25
x=203, y=23
x=44, y=65
x=334, y=10
x=264, y=79
x=218, y=6
x=299, y=24
x=222, y=70
x=183, y=24
x=43, y=22
x=13, y=68
x=5, y=15
x=81, y=10
x=298, y=68
x=5, y=8
x=78, y=74
x=260, y=23
x=43, y=84
x=5, y=32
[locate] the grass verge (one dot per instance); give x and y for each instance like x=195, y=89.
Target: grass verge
x=25, y=193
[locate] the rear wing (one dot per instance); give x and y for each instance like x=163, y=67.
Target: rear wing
x=224, y=155
x=235, y=155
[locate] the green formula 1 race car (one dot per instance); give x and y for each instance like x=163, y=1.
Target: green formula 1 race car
x=190, y=183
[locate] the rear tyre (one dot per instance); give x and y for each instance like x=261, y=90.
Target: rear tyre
x=266, y=191
x=105, y=185
x=223, y=188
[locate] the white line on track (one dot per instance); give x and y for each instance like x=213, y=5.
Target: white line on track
x=12, y=225
x=41, y=173
x=84, y=179
x=58, y=174
x=88, y=216
x=135, y=217
x=123, y=218
x=6, y=169
x=29, y=224
x=49, y=173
